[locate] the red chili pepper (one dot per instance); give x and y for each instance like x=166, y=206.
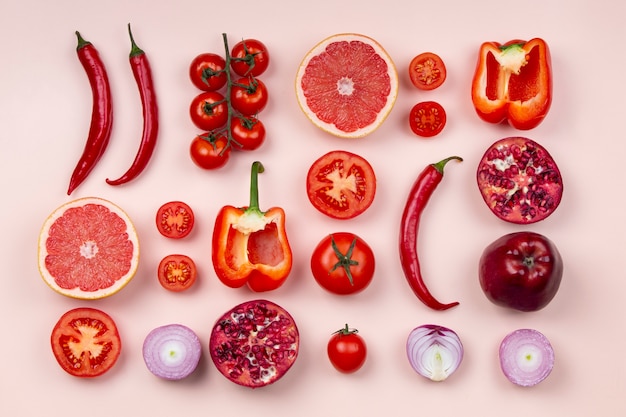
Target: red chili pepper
x=250, y=246
x=143, y=76
x=101, y=115
x=420, y=193
x=513, y=82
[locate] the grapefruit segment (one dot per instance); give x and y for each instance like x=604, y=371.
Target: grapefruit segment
x=88, y=249
x=347, y=85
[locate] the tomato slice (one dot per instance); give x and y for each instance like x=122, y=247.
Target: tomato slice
x=341, y=184
x=174, y=219
x=177, y=272
x=427, y=71
x=85, y=342
x=427, y=118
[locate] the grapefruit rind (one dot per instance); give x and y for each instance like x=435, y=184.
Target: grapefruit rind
x=382, y=113
x=77, y=292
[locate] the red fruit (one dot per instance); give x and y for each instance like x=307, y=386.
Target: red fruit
x=519, y=180
x=521, y=270
x=255, y=343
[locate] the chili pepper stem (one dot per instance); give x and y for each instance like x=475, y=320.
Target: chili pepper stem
x=134, y=49
x=81, y=42
x=439, y=165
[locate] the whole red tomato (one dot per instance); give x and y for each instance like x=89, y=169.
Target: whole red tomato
x=210, y=151
x=207, y=72
x=248, y=96
x=249, y=57
x=209, y=110
x=347, y=350
x=247, y=132
x=521, y=270
x=343, y=263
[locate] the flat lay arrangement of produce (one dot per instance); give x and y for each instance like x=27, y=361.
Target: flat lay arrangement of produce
x=239, y=219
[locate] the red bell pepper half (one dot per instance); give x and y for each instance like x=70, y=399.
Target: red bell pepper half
x=250, y=246
x=513, y=82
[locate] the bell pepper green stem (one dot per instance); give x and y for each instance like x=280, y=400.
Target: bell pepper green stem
x=257, y=168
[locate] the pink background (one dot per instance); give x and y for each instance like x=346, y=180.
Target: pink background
x=44, y=114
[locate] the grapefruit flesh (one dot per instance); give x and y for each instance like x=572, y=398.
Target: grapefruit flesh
x=88, y=249
x=347, y=85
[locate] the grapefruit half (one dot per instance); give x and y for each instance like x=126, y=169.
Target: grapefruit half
x=347, y=85
x=88, y=249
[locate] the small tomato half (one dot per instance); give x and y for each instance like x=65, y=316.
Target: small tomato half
x=175, y=219
x=341, y=184
x=427, y=119
x=427, y=71
x=343, y=263
x=85, y=342
x=177, y=272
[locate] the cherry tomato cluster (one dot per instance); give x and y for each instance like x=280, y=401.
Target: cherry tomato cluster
x=427, y=72
x=232, y=97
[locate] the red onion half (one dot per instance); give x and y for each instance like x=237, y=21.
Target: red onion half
x=526, y=357
x=434, y=352
x=172, y=351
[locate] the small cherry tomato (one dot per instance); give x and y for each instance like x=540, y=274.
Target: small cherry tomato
x=175, y=219
x=427, y=118
x=347, y=350
x=247, y=132
x=341, y=184
x=343, y=263
x=248, y=96
x=177, y=272
x=427, y=71
x=209, y=110
x=85, y=342
x=207, y=72
x=249, y=57
x=210, y=150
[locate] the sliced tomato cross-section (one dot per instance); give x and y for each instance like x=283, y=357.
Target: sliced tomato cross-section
x=341, y=184
x=85, y=342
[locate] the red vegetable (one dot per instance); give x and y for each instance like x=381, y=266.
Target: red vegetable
x=427, y=119
x=513, y=82
x=347, y=350
x=249, y=57
x=343, y=263
x=427, y=71
x=248, y=96
x=101, y=114
x=175, y=219
x=250, y=246
x=143, y=76
x=420, y=193
x=207, y=72
x=172, y=351
x=85, y=342
x=526, y=357
x=341, y=184
x=177, y=272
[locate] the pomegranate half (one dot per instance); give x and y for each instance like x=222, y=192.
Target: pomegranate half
x=519, y=180
x=255, y=343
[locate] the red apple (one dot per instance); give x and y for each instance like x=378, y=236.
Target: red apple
x=521, y=270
